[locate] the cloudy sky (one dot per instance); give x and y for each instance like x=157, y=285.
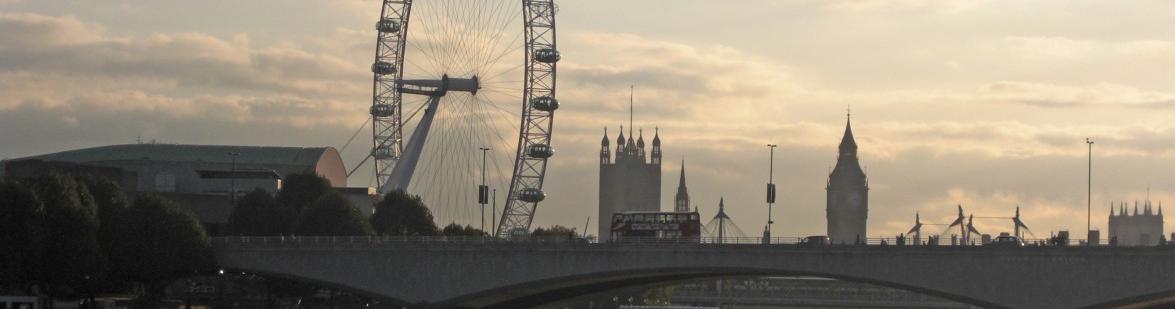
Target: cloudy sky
x=972, y=102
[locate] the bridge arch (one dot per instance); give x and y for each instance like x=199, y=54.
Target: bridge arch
x=547, y=290
x=386, y=299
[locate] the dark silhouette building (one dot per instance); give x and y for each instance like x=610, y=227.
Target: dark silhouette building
x=848, y=194
x=630, y=180
x=681, y=200
x=1137, y=229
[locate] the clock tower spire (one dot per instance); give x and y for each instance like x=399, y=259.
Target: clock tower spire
x=847, y=205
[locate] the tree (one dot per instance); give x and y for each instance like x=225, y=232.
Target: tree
x=110, y=200
x=555, y=231
x=454, y=229
x=259, y=214
x=301, y=189
x=22, y=233
x=333, y=215
x=73, y=257
x=400, y=213
x=156, y=241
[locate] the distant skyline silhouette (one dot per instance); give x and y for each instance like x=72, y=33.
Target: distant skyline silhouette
x=979, y=103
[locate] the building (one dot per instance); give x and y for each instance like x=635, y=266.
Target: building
x=1137, y=229
x=847, y=205
x=630, y=180
x=199, y=177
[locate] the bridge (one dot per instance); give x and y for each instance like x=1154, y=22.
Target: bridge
x=480, y=272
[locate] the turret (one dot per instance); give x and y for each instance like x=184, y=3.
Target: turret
x=620, y=144
x=640, y=146
x=656, y=155
x=605, y=155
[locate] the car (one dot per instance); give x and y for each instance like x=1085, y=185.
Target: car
x=1006, y=240
x=815, y=240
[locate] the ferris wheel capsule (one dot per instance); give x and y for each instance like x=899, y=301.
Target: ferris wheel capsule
x=541, y=151
x=531, y=195
x=383, y=68
x=381, y=110
x=545, y=103
x=546, y=55
x=388, y=25
x=382, y=153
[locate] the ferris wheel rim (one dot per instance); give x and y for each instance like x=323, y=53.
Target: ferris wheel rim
x=537, y=107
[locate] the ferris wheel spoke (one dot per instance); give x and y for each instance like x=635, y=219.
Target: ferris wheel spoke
x=497, y=55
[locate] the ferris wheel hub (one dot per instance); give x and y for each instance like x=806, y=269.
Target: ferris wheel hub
x=440, y=87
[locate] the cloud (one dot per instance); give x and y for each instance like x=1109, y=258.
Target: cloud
x=65, y=45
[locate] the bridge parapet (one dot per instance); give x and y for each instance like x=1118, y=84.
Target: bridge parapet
x=476, y=272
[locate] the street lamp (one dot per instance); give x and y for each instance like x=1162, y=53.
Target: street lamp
x=770, y=193
x=233, y=178
x=1089, y=193
x=483, y=192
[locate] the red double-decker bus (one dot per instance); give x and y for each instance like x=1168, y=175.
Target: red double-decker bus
x=636, y=226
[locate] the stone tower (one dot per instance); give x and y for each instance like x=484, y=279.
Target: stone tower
x=629, y=181
x=681, y=201
x=848, y=194
x=1137, y=229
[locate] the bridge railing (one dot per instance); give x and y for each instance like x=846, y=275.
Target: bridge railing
x=376, y=240
x=334, y=241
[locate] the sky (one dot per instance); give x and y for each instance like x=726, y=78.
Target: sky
x=984, y=104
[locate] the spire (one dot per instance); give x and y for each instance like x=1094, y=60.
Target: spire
x=620, y=142
x=1160, y=208
x=640, y=142
x=848, y=145
x=656, y=137
x=681, y=201
x=604, y=141
x=1135, y=208
x=630, y=110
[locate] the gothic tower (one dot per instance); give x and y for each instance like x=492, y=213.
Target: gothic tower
x=681, y=201
x=848, y=194
x=630, y=178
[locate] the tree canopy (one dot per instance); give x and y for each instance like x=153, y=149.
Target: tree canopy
x=301, y=189
x=111, y=202
x=72, y=253
x=156, y=241
x=22, y=233
x=333, y=215
x=454, y=229
x=403, y=214
x=555, y=231
x=259, y=214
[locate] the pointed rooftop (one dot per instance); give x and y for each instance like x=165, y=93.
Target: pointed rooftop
x=848, y=145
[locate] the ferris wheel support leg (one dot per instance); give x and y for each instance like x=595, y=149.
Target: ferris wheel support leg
x=406, y=166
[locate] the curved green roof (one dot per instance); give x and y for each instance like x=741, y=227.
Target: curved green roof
x=192, y=153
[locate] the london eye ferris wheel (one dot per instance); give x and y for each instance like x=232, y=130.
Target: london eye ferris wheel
x=452, y=77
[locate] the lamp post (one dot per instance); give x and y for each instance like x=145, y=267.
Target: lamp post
x=482, y=190
x=233, y=178
x=494, y=212
x=1089, y=192
x=770, y=193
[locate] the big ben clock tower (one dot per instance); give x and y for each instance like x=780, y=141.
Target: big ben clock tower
x=848, y=194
